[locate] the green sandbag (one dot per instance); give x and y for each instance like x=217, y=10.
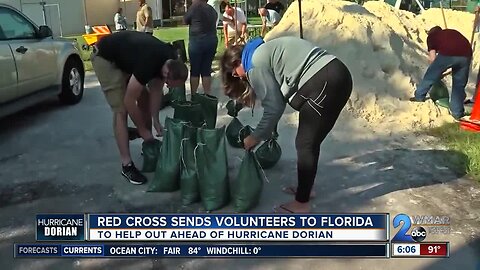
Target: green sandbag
x=150, y=151
x=269, y=153
x=444, y=102
x=233, y=129
x=439, y=90
x=247, y=188
x=212, y=168
x=167, y=174
x=189, y=112
x=244, y=133
x=233, y=107
x=189, y=188
x=177, y=94
x=209, y=108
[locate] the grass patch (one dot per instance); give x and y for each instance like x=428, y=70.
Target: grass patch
x=465, y=142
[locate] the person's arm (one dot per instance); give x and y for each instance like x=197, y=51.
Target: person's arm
x=432, y=54
x=155, y=88
x=243, y=20
x=147, y=12
x=225, y=33
x=187, y=18
x=116, y=19
x=273, y=102
x=134, y=90
x=244, y=30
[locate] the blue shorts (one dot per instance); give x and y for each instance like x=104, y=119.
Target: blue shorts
x=201, y=52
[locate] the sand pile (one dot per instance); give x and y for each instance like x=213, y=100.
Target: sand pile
x=384, y=48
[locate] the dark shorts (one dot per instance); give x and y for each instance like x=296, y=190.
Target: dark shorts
x=201, y=52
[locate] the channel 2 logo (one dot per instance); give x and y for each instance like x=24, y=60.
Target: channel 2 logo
x=418, y=234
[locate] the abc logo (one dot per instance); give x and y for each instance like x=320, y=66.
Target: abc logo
x=418, y=234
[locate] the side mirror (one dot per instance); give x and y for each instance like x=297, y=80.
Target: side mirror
x=44, y=32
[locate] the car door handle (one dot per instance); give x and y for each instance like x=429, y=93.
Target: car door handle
x=21, y=49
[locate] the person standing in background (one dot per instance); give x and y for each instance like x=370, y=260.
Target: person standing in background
x=144, y=18
x=202, y=46
x=120, y=20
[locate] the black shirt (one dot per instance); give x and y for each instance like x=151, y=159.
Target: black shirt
x=202, y=19
x=278, y=7
x=136, y=53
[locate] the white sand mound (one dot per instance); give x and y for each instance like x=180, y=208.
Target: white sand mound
x=384, y=48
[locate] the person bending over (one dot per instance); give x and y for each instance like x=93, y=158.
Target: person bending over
x=234, y=34
x=270, y=14
x=125, y=62
x=447, y=48
x=294, y=71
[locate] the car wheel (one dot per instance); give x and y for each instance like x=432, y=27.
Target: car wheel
x=72, y=83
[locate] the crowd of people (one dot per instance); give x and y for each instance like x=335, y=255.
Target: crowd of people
x=133, y=67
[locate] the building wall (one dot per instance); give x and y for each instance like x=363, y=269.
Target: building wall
x=71, y=16
x=68, y=16
x=101, y=12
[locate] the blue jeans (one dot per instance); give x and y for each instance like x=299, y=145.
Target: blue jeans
x=460, y=69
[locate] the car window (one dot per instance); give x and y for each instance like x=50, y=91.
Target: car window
x=14, y=26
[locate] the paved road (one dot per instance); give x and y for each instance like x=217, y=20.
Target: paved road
x=63, y=159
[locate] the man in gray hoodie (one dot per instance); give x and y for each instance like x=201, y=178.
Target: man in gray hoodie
x=294, y=71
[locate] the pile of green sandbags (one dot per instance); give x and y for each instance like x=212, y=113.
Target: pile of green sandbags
x=193, y=158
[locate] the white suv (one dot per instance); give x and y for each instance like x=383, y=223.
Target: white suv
x=34, y=66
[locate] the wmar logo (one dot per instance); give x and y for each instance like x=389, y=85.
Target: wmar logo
x=418, y=234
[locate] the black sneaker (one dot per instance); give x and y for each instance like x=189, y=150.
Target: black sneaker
x=468, y=101
x=414, y=99
x=133, y=175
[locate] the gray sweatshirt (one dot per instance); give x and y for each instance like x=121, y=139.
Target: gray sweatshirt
x=280, y=67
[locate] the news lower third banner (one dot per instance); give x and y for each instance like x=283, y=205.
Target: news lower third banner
x=213, y=227
x=202, y=250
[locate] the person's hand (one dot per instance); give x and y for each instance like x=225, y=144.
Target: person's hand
x=249, y=142
x=158, y=128
x=446, y=73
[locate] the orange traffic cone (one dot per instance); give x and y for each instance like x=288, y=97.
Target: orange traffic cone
x=472, y=123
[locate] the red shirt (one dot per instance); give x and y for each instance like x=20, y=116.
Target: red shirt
x=449, y=42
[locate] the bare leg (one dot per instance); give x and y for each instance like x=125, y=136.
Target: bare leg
x=121, y=136
x=207, y=85
x=194, y=82
x=144, y=105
